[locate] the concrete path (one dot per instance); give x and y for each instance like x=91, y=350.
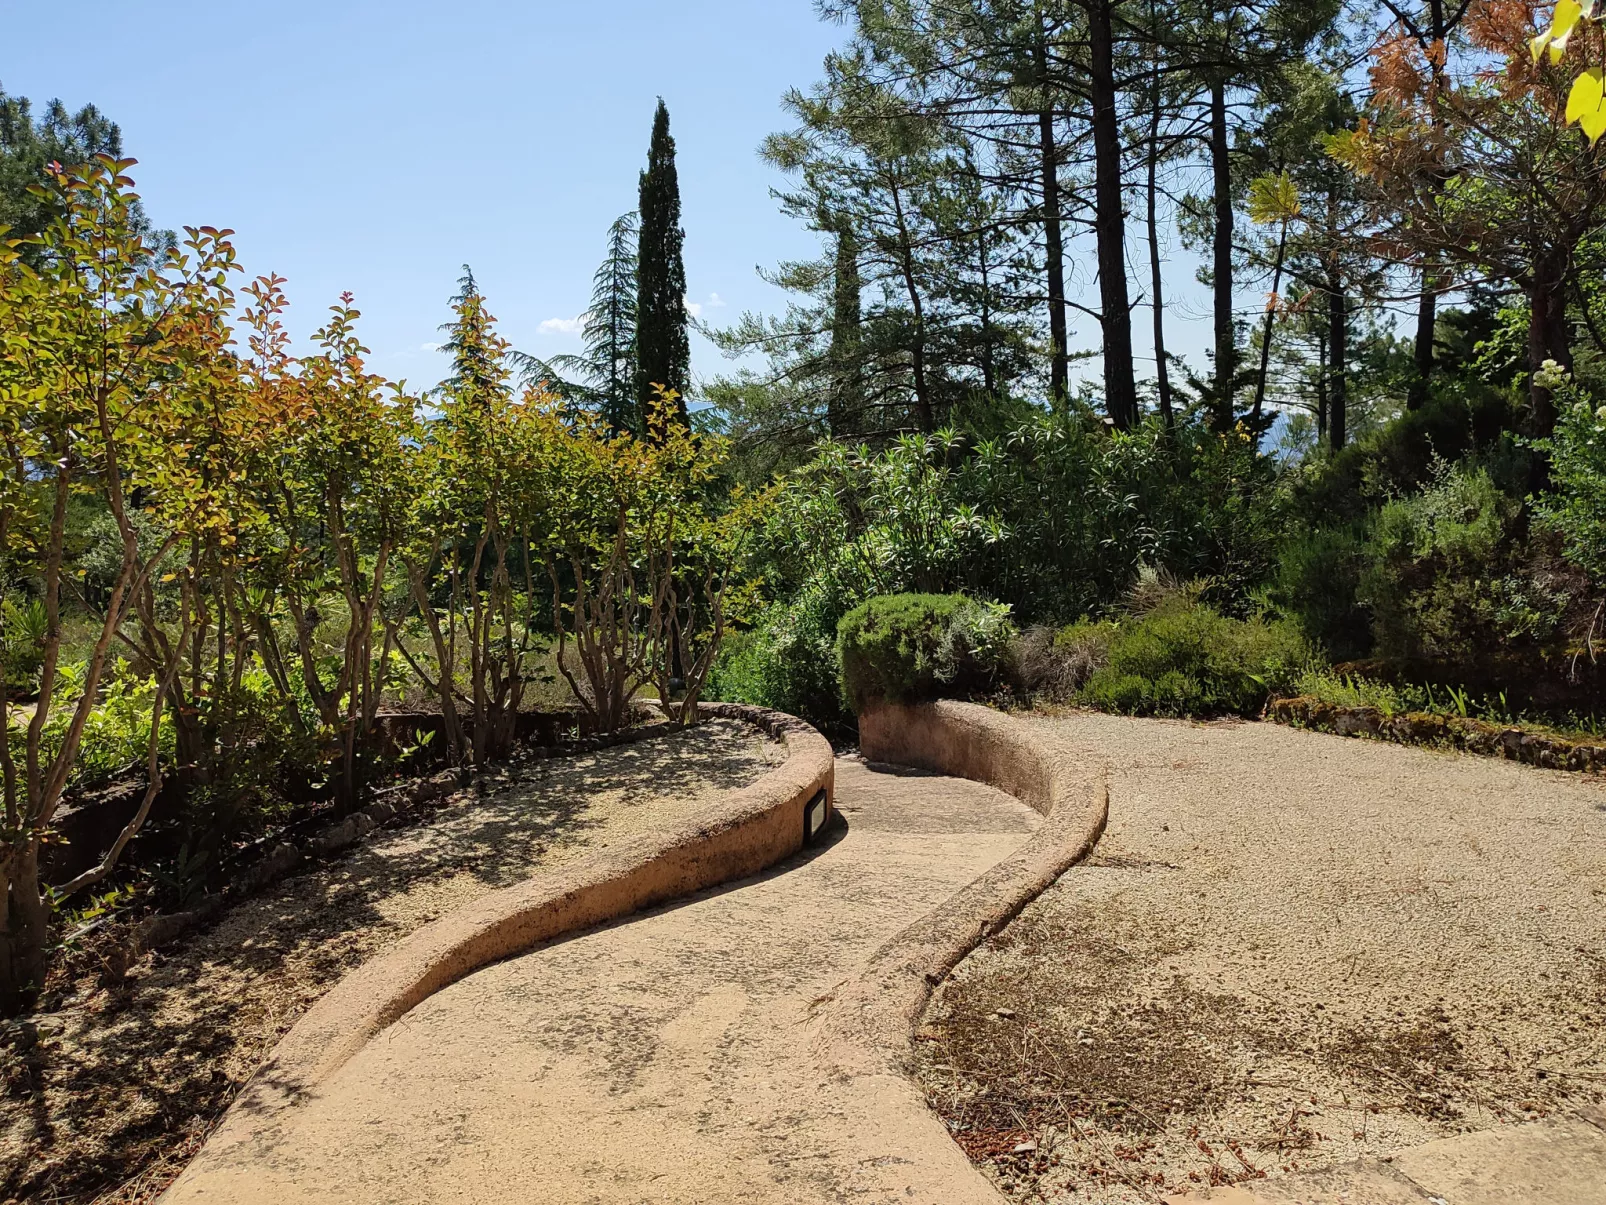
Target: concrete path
x=661, y=1059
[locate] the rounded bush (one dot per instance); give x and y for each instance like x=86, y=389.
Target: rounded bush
x=907, y=648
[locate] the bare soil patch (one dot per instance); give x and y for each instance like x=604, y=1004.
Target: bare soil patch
x=1288, y=951
x=108, y=1094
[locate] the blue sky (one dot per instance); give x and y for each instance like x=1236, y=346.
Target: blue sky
x=377, y=147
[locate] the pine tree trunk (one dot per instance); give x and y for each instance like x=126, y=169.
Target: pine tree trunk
x=1268, y=329
x=24, y=932
x=1053, y=242
x=924, y=411
x=1338, y=351
x=1162, y=370
x=1427, y=305
x=1221, y=270
x=1120, y=381
x=1422, y=354
x=1547, y=336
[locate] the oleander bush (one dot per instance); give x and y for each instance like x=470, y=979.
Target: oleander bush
x=786, y=661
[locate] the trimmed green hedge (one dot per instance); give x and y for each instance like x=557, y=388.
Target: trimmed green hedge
x=908, y=648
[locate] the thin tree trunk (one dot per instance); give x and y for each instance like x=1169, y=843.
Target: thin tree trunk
x=1338, y=344
x=1120, y=381
x=1054, y=247
x=1321, y=387
x=1162, y=369
x=24, y=931
x=1226, y=338
x=989, y=380
x=1267, y=330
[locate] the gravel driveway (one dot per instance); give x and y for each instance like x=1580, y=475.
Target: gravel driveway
x=1289, y=950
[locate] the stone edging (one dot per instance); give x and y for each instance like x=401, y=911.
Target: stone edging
x=1425, y=728
x=869, y=1021
x=863, y=1031
x=750, y=830
x=871, y=1018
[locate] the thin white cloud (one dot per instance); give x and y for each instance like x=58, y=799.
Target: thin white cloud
x=563, y=326
x=429, y=347
x=694, y=308
x=715, y=301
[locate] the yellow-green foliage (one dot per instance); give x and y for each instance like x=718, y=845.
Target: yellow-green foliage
x=1183, y=658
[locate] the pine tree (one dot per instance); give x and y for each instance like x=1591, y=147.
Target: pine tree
x=604, y=378
x=28, y=143
x=478, y=353
x=663, y=351
x=610, y=330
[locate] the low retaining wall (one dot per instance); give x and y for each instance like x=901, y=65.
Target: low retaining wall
x=865, y=1028
x=749, y=831
x=1425, y=728
x=872, y=1017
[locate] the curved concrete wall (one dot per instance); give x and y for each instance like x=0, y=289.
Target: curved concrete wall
x=873, y=1016
x=749, y=831
x=865, y=1029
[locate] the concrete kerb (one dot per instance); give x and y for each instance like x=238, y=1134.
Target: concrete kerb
x=865, y=1027
x=870, y=1020
x=752, y=829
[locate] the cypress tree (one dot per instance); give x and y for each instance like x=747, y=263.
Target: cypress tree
x=663, y=351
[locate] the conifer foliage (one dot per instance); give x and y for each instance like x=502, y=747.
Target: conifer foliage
x=663, y=351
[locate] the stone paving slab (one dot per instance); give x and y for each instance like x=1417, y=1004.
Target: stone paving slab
x=1556, y=1162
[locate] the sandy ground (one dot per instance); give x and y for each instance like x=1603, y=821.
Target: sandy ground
x=1289, y=950
x=119, y=1086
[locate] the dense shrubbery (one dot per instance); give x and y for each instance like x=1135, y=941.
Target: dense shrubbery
x=1186, y=659
x=1576, y=509
x=906, y=648
x=1390, y=550
x=276, y=544
x=1054, y=520
x=787, y=661
x=1444, y=576
x=1170, y=654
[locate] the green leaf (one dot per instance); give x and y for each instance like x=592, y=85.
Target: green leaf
x=1273, y=199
